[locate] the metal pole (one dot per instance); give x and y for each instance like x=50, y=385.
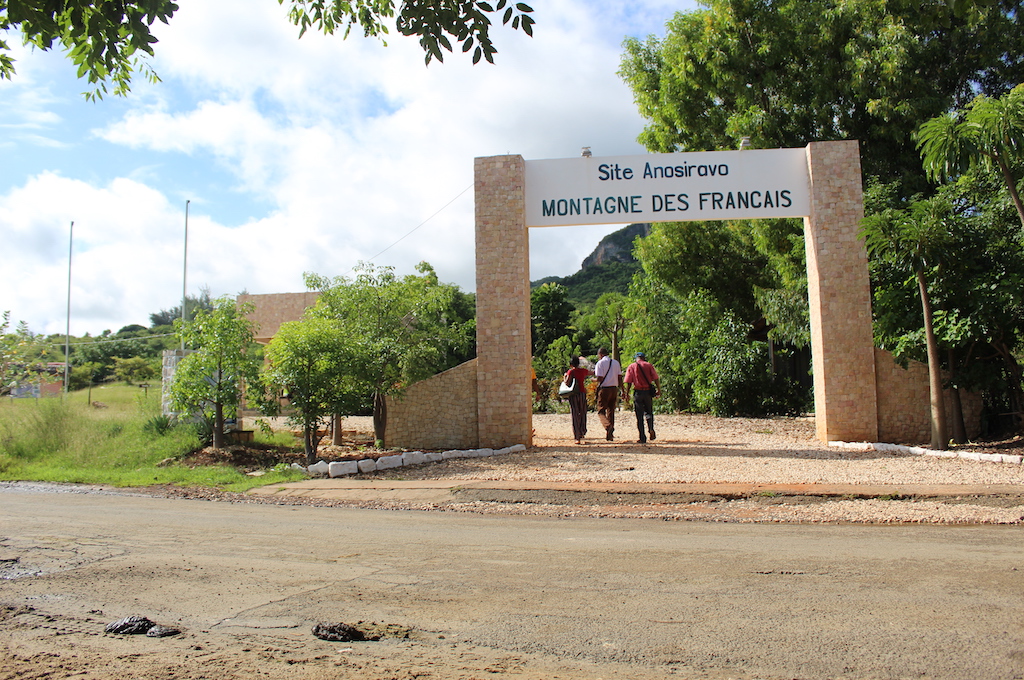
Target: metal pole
x=67, y=329
x=184, y=275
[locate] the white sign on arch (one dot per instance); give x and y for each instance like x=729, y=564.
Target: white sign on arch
x=669, y=187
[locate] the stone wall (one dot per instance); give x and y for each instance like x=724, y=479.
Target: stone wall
x=904, y=403
x=274, y=309
x=437, y=413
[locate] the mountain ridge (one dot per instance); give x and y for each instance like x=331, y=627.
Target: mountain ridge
x=608, y=269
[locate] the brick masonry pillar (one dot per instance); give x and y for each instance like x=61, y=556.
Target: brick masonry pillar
x=505, y=409
x=845, y=398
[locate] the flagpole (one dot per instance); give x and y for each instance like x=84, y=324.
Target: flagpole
x=184, y=276
x=67, y=329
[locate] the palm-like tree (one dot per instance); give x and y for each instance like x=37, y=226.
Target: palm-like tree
x=988, y=132
x=915, y=237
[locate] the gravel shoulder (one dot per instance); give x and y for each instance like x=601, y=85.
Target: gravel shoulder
x=789, y=477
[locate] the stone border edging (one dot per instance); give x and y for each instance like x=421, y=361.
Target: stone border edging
x=366, y=465
x=921, y=451
x=352, y=467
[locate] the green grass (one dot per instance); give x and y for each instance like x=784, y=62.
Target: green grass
x=127, y=443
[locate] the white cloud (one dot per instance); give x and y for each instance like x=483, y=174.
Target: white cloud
x=342, y=148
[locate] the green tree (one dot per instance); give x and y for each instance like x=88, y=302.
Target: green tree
x=727, y=374
x=987, y=133
x=915, y=238
x=211, y=380
x=782, y=297
x=554, y=362
x=84, y=376
x=975, y=292
x=310, y=361
x=167, y=317
x=133, y=369
x=702, y=350
x=656, y=310
x=609, y=318
x=109, y=39
x=790, y=72
x=21, y=354
x=718, y=257
x=106, y=349
x=399, y=329
x=550, y=315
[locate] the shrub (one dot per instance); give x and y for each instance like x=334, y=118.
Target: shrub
x=158, y=425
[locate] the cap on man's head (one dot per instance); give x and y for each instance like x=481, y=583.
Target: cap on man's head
x=641, y=355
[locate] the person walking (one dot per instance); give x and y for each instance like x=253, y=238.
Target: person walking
x=645, y=383
x=577, y=376
x=608, y=372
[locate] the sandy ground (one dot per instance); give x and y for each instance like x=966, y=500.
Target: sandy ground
x=532, y=598
x=774, y=586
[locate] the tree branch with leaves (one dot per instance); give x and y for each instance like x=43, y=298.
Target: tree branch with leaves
x=109, y=40
x=916, y=239
x=987, y=133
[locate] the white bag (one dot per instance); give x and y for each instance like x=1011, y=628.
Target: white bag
x=566, y=388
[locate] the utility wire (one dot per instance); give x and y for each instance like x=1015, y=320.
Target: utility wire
x=409, y=233
x=439, y=211
x=109, y=340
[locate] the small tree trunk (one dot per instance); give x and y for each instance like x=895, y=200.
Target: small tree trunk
x=336, y=430
x=1011, y=185
x=1015, y=386
x=956, y=412
x=380, y=418
x=309, y=442
x=218, y=425
x=940, y=440
x=956, y=409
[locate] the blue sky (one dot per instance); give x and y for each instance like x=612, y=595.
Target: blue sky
x=296, y=156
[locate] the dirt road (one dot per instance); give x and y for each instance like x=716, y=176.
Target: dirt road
x=487, y=596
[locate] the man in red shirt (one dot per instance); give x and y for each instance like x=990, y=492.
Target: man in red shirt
x=643, y=379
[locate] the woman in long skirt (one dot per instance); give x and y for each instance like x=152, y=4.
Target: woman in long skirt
x=578, y=398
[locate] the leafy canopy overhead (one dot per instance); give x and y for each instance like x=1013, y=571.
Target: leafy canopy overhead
x=988, y=133
x=109, y=39
x=790, y=72
x=103, y=38
x=466, y=21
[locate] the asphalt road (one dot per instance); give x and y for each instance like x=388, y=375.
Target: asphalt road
x=517, y=596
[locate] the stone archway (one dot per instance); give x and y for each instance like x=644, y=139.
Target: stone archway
x=837, y=269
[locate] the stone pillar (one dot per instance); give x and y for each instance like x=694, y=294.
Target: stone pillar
x=505, y=408
x=838, y=286
x=169, y=364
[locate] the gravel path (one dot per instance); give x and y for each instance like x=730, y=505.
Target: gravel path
x=701, y=449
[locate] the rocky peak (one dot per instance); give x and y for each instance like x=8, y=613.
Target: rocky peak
x=617, y=246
